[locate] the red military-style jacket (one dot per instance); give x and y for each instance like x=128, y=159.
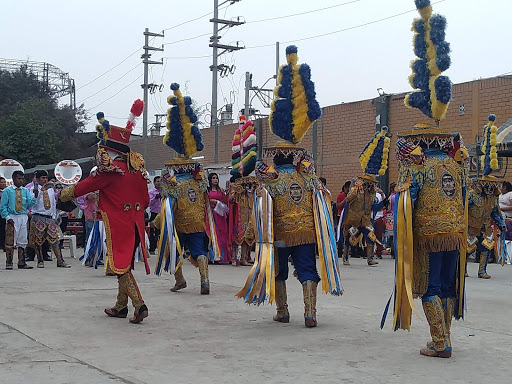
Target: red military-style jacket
x=123, y=197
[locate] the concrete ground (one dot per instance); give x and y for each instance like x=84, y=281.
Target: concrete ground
x=53, y=330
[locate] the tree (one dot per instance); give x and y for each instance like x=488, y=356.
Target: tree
x=29, y=133
x=33, y=127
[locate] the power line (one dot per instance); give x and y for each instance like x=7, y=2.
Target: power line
x=191, y=20
x=138, y=49
x=302, y=13
x=311, y=37
x=164, y=107
x=115, y=81
x=341, y=30
x=114, y=67
x=122, y=89
x=158, y=108
x=187, y=57
x=190, y=38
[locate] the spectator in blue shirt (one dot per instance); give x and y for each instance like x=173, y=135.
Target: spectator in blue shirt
x=13, y=207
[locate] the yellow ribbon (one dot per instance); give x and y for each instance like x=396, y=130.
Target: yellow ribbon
x=462, y=260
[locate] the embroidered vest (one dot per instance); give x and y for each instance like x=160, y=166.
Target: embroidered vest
x=438, y=217
x=189, y=213
x=292, y=195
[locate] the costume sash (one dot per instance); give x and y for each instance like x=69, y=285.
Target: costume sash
x=168, y=243
x=403, y=239
x=260, y=283
x=461, y=267
x=326, y=242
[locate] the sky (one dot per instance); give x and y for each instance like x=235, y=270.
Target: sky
x=372, y=50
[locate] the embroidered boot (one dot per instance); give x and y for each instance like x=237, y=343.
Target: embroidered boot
x=309, y=293
x=369, y=255
x=448, y=308
x=448, y=305
x=180, y=282
x=132, y=290
x=482, y=267
x=246, y=251
x=60, y=261
x=202, y=262
x=282, y=315
x=121, y=307
x=21, y=260
x=345, y=255
x=9, y=252
x=434, y=313
x=39, y=253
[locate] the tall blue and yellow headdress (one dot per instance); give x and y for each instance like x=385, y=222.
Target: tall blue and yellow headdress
x=433, y=90
x=489, y=159
x=374, y=157
x=182, y=135
x=294, y=108
x=102, y=128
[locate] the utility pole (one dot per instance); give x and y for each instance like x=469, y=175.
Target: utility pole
x=264, y=95
x=277, y=60
x=145, y=59
x=214, y=43
x=155, y=131
x=248, y=85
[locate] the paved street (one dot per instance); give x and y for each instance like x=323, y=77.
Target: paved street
x=53, y=330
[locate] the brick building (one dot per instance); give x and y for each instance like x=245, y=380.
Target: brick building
x=344, y=129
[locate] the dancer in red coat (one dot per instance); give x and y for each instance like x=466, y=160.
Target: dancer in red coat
x=123, y=196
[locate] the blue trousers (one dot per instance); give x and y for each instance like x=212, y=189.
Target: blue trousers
x=304, y=261
x=441, y=278
x=195, y=243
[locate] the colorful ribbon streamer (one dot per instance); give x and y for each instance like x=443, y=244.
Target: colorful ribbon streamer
x=260, y=284
x=326, y=242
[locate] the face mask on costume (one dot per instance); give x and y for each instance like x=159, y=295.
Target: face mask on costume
x=368, y=186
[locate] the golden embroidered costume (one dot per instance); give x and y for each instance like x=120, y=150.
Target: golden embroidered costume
x=243, y=186
x=185, y=218
x=241, y=220
x=292, y=209
x=356, y=221
x=484, y=211
x=431, y=210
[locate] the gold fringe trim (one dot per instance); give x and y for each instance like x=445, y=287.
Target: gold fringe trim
x=190, y=227
x=439, y=242
x=296, y=238
x=249, y=243
x=68, y=194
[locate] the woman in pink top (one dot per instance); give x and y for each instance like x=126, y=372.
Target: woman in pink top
x=219, y=208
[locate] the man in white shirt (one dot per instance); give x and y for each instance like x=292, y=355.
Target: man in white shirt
x=43, y=224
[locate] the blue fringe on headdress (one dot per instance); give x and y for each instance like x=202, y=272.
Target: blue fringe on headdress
x=314, y=110
x=294, y=108
x=179, y=133
x=432, y=92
